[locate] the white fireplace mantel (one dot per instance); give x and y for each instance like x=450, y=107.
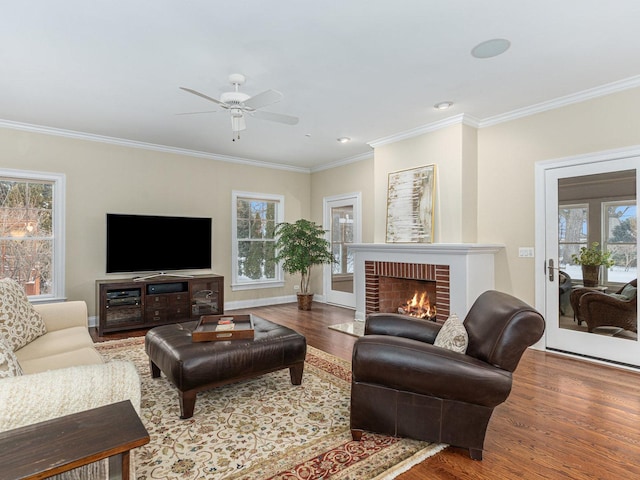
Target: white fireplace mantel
x=471, y=267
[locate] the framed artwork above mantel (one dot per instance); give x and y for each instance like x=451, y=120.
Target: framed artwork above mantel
x=410, y=205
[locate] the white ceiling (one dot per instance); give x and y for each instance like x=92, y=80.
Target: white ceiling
x=365, y=69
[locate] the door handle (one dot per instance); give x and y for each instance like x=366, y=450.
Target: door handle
x=551, y=268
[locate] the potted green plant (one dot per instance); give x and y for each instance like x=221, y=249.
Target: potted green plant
x=591, y=259
x=300, y=246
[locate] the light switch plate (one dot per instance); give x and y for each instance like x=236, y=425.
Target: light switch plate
x=525, y=252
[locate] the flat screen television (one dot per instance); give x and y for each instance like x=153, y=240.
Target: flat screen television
x=148, y=243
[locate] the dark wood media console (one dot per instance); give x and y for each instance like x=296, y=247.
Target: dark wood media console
x=131, y=304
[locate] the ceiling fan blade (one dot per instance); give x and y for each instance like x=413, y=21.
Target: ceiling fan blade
x=263, y=99
x=275, y=117
x=206, y=97
x=197, y=113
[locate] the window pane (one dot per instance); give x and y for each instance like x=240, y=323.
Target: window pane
x=243, y=209
x=622, y=223
x=44, y=223
x=572, y=225
x=256, y=220
x=572, y=234
x=269, y=262
x=242, y=229
x=271, y=211
x=256, y=226
x=621, y=228
x=29, y=262
x=269, y=229
x=26, y=234
x=255, y=260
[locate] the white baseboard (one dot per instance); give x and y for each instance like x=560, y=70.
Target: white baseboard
x=262, y=302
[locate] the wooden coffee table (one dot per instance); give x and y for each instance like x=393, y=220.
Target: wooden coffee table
x=62, y=444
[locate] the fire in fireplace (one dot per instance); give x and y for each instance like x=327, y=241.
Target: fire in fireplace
x=419, y=306
x=389, y=285
x=408, y=297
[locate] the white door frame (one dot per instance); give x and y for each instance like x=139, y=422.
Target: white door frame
x=355, y=199
x=544, y=302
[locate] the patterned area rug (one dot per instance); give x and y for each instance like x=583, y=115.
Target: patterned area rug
x=263, y=428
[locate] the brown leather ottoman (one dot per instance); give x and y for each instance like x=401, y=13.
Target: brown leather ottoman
x=196, y=366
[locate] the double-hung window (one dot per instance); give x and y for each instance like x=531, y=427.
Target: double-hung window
x=254, y=219
x=31, y=231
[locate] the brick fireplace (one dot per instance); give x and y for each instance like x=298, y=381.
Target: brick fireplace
x=389, y=284
x=458, y=272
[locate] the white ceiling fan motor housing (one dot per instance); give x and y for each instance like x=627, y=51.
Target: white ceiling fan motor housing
x=233, y=98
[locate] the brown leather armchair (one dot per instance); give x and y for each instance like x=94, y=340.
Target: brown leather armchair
x=599, y=309
x=403, y=385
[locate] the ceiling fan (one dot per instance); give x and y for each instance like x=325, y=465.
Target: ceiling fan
x=238, y=103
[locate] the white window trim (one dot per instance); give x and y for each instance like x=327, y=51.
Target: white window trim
x=59, y=189
x=257, y=284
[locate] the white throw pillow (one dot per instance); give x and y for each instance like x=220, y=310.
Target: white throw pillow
x=453, y=335
x=19, y=322
x=9, y=366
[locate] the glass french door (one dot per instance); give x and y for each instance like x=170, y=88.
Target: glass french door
x=586, y=202
x=342, y=220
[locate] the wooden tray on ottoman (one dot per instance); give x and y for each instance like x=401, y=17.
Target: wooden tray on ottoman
x=213, y=328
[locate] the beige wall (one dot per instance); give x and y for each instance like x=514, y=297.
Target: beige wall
x=355, y=177
x=507, y=154
x=469, y=185
x=105, y=178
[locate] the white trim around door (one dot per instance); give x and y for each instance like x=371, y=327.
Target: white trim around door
x=339, y=286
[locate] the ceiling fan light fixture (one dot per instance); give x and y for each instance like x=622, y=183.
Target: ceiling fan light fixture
x=237, y=123
x=443, y=105
x=343, y=139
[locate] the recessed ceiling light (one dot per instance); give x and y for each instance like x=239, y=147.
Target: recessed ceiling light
x=344, y=139
x=491, y=48
x=443, y=105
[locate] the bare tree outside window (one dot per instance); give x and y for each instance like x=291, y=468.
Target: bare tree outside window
x=26, y=234
x=622, y=240
x=573, y=233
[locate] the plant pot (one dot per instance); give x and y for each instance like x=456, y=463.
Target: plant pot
x=304, y=301
x=590, y=275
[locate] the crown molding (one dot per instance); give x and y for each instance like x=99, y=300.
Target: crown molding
x=344, y=161
x=466, y=119
x=577, y=97
x=462, y=118
x=146, y=146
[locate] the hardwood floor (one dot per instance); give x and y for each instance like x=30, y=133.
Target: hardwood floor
x=565, y=418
